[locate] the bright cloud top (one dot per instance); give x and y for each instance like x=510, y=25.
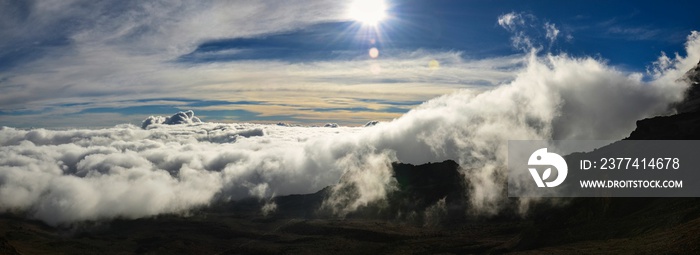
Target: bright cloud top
x=126, y=171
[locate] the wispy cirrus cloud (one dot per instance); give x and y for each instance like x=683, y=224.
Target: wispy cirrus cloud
x=635, y=33
x=106, y=54
x=75, y=84
x=624, y=27
x=528, y=32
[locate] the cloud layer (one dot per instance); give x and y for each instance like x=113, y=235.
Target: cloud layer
x=125, y=171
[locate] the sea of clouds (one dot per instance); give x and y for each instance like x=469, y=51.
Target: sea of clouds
x=65, y=176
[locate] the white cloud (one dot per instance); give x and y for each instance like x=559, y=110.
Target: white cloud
x=555, y=97
x=125, y=171
x=519, y=25
x=667, y=69
x=511, y=20
x=552, y=32
x=528, y=33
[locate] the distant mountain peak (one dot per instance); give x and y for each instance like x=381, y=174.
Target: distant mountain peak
x=186, y=117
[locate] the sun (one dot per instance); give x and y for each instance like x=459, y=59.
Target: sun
x=369, y=12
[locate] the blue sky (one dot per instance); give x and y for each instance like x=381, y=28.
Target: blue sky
x=101, y=63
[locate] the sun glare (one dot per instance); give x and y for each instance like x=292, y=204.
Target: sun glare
x=369, y=12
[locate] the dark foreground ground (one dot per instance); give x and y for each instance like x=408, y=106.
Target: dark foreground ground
x=646, y=231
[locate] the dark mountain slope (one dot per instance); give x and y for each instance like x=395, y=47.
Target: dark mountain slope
x=682, y=126
x=418, y=188
x=640, y=219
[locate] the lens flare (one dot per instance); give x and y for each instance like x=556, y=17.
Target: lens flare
x=373, y=52
x=434, y=64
